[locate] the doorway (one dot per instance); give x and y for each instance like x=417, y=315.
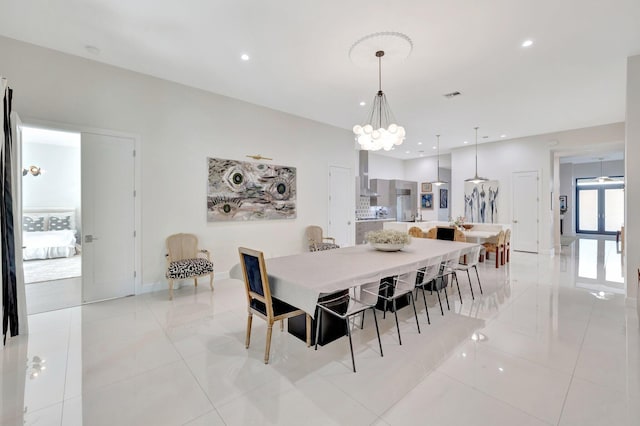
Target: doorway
x=599, y=205
x=341, y=205
x=79, y=217
x=525, y=211
x=51, y=219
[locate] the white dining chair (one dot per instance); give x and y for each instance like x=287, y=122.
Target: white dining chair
x=472, y=262
x=348, y=305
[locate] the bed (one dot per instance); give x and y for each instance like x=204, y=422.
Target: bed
x=48, y=233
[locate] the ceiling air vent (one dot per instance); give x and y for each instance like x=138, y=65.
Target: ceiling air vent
x=452, y=94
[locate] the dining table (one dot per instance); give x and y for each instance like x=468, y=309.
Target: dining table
x=301, y=279
x=479, y=236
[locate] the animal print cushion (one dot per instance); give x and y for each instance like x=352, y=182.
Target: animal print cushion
x=33, y=224
x=189, y=268
x=59, y=223
x=323, y=246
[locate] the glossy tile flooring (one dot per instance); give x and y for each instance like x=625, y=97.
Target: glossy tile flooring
x=542, y=346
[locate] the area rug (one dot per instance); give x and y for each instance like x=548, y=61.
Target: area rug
x=567, y=240
x=52, y=269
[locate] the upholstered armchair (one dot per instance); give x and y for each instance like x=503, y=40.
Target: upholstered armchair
x=414, y=231
x=185, y=260
x=317, y=242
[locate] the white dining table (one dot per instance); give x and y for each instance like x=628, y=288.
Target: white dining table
x=302, y=278
x=480, y=236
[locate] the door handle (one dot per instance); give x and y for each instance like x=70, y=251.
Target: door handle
x=90, y=238
x=349, y=223
x=515, y=221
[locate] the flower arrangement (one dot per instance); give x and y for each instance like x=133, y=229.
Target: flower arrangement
x=458, y=222
x=387, y=236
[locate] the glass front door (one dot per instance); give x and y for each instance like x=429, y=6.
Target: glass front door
x=600, y=206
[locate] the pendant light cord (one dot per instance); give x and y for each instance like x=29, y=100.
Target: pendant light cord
x=476, y=151
x=438, y=160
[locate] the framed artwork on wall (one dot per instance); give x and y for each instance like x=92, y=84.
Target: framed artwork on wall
x=426, y=201
x=444, y=198
x=563, y=203
x=241, y=191
x=426, y=187
x=481, y=201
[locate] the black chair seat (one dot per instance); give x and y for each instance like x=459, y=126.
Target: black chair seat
x=279, y=307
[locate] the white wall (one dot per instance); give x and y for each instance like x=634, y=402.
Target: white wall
x=59, y=185
x=498, y=161
x=632, y=179
x=179, y=127
x=382, y=167
x=570, y=172
x=424, y=170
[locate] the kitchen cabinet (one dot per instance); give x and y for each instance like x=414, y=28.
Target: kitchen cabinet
x=364, y=226
x=383, y=188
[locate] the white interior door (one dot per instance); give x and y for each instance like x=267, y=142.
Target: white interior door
x=108, y=217
x=524, y=236
x=341, y=205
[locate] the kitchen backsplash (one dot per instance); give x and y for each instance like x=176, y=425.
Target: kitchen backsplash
x=365, y=210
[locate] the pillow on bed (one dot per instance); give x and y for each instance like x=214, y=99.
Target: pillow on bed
x=32, y=224
x=59, y=223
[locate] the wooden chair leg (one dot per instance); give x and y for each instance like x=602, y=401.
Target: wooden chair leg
x=248, y=338
x=195, y=280
x=308, y=330
x=211, y=281
x=170, y=289
x=497, y=257
x=281, y=325
x=268, y=347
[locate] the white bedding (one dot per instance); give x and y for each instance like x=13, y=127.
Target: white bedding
x=48, y=244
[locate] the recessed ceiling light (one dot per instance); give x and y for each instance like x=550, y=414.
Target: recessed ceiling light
x=503, y=136
x=419, y=143
x=466, y=142
x=527, y=43
x=407, y=152
x=434, y=147
x=244, y=57
x=363, y=103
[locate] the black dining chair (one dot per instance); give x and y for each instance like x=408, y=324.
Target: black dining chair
x=443, y=233
x=259, y=299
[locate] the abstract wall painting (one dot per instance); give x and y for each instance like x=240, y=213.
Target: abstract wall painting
x=444, y=198
x=426, y=201
x=242, y=191
x=481, y=202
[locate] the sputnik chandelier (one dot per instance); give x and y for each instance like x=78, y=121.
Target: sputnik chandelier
x=380, y=130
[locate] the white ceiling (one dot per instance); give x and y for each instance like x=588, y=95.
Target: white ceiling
x=572, y=77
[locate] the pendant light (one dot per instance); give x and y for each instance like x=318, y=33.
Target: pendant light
x=380, y=131
x=438, y=182
x=603, y=178
x=476, y=179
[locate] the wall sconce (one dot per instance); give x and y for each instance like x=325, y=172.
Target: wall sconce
x=34, y=170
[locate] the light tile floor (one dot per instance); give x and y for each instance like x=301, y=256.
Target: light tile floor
x=542, y=346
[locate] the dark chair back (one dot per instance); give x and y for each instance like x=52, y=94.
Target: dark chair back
x=256, y=281
x=448, y=234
